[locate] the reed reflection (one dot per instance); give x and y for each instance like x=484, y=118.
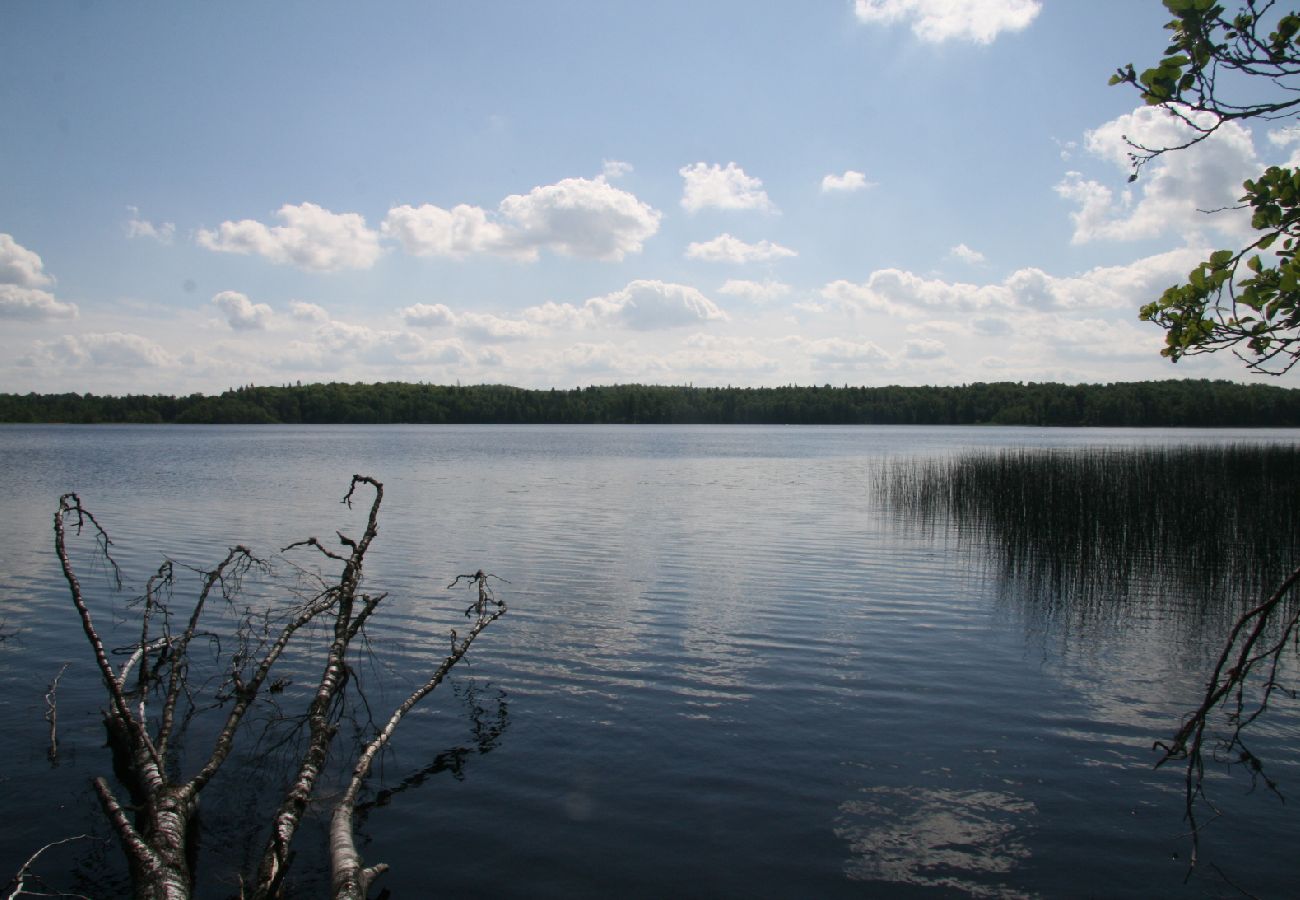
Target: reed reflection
x=1080, y=531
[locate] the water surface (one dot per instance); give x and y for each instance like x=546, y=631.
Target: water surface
x=729, y=669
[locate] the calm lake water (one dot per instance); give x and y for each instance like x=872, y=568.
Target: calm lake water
x=728, y=669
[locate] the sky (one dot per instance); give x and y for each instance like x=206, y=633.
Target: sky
x=195, y=197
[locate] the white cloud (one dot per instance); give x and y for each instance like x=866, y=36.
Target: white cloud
x=991, y=326
x=334, y=345
x=580, y=217
x=729, y=356
x=1172, y=190
x=839, y=352
x=936, y=326
x=725, y=248
x=966, y=254
x=241, y=313
x=904, y=293
x=138, y=227
x=1100, y=339
x=613, y=168
x=20, y=266
x=756, y=291
x=716, y=187
x=588, y=358
x=425, y=315
x=924, y=348
x=1105, y=287
x=32, y=304
x=643, y=305
x=849, y=181
x=487, y=327
x=477, y=326
x=935, y=21
x=311, y=238
x=429, y=230
x=556, y=315
x=22, y=275
x=907, y=294
x=113, y=349
x=307, y=312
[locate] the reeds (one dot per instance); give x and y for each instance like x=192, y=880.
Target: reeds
x=1219, y=524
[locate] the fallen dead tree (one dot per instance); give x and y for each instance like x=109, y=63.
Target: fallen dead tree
x=150, y=698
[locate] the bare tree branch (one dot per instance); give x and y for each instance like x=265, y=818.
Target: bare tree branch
x=350, y=880
x=1256, y=643
x=156, y=827
x=18, y=884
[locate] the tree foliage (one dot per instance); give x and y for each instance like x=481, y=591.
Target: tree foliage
x=1226, y=66
x=1191, y=404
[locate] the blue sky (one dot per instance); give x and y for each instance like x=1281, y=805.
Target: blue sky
x=546, y=194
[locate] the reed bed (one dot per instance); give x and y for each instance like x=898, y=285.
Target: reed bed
x=1219, y=524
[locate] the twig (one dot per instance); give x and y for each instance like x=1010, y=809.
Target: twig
x=20, y=878
x=52, y=714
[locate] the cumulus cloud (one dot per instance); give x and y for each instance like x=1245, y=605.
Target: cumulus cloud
x=307, y=312
x=487, y=327
x=32, y=304
x=556, y=315
x=725, y=248
x=20, y=266
x=902, y=293
x=429, y=230
x=112, y=349
x=1172, y=190
x=936, y=21
x=426, y=315
x=241, y=313
x=966, y=254
x=311, y=238
x=580, y=217
x=477, y=326
x=137, y=227
x=756, y=291
x=643, y=305
x=22, y=275
x=613, y=168
x=718, y=187
x=332, y=345
x=907, y=294
x=849, y=181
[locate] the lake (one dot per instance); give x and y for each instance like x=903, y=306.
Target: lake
x=730, y=668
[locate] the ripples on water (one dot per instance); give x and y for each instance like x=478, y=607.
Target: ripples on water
x=728, y=669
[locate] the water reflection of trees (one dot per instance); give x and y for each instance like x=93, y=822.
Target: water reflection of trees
x=1081, y=531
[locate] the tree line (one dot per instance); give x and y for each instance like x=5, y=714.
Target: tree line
x=1186, y=403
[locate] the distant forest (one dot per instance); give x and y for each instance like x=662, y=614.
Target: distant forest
x=1143, y=404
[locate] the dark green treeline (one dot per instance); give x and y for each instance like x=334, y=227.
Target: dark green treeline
x=1152, y=404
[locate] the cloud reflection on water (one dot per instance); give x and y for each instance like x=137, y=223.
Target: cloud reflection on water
x=959, y=840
